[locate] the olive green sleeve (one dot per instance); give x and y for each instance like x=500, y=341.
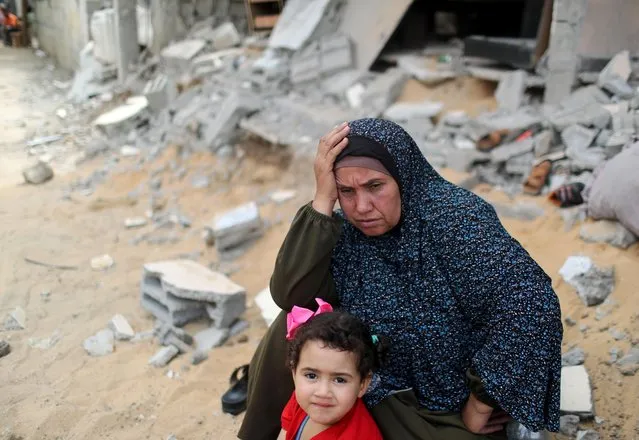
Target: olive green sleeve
x=302, y=269
x=477, y=388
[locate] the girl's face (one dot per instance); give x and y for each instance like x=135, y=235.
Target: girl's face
x=327, y=382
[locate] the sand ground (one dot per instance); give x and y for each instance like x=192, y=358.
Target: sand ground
x=51, y=389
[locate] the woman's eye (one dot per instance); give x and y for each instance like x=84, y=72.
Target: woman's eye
x=375, y=186
x=346, y=191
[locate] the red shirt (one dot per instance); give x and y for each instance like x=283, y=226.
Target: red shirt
x=356, y=424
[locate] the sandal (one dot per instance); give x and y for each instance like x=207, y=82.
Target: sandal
x=234, y=399
x=492, y=140
x=568, y=195
x=538, y=177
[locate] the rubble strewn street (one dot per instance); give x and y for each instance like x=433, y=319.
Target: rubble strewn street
x=142, y=214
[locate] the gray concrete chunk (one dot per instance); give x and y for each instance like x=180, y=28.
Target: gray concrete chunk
x=607, y=231
x=163, y=356
x=577, y=137
x=38, y=173
x=618, y=87
x=16, y=319
x=225, y=36
x=404, y=111
x=507, y=151
x=542, y=143
x=99, y=344
x=510, y=91
x=121, y=328
x=221, y=130
x=178, y=56
x=237, y=226
x=573, y=357
x=569, y=425
x=588, y=435
x=210, y=338
x=619, y=65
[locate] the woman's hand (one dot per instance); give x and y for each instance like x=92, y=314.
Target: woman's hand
x=480, y=418
x=325, y=187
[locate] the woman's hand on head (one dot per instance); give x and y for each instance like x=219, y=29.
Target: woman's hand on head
x=330, y=145
x=480, y=418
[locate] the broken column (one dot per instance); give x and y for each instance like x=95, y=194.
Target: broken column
x=180, y=291
x=87, y=8
x=126, y=36
x=563, y=56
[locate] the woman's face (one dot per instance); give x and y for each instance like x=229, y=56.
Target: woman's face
x=370, y=200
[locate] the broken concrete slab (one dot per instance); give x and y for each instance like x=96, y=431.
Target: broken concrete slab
x=520, y=165
x=237, y=226
x=619, y=66
x=617, y=86
x=225, y=36
x=38, y=173
x=124, y=118
x=576, y=394
x=267, y=306
x=322, y=58
x=629, y=364
x=99, y=344
x=542, y=143
x=608, y=231
x=163, y=356
x=159, y=92
x=577, y=137
x=222, y=129
x=382, y=91
x=297, y=23
x=184, y=285
x=501, y=120
x=16, y=319
x=463, y=160
x=520, y=211
x=573, y=357
x=121, y=328
x=507, y=151
x=178, y=56
x=510, y=91
x=210, y=338
x=404, y=111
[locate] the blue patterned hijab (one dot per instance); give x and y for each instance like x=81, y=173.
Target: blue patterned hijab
x=452, y=290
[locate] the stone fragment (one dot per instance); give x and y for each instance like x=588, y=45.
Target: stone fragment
x=237, y=227
x=225, y=36
x=569, y=425
x=135, y=222
x=629, y=364
x=510, y=91
x=5, y=348
x=507, y=151
x=210, y=338
x=38, y=173
x=577, y=137
x=99, y=344
x=588, y=435
x=124, y=118
x=593, y=284
x=163, y=356
x=608, y=231
x=102, y=262
x=576, y=394
x=16, y=319
x=178, y=56
x=121, y=328
x=619, y=66
x=198, y=357
x=575, y=356
x=542, y=143
x=404, y=111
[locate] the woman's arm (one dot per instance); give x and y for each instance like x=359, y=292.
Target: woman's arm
x=302, y=268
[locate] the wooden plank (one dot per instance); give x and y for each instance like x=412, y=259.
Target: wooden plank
x=265, y=21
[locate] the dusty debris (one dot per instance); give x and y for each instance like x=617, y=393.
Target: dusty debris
x=100, y=344
x=573, y=357
x=102, y=262
x=121, y=328
x=135, y=222
x=593, y=284
x=237, y=227
x=576, y=394
x=164, y=356
x=38, y=173
x=606, y=231
x=16, y=319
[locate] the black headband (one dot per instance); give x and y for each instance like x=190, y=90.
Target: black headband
x=363, y=146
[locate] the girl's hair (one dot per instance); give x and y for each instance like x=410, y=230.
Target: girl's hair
x=344, y=332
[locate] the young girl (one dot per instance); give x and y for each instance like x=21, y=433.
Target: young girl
x=332, y=356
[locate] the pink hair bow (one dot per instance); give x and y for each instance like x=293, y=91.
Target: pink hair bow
x=299, y=315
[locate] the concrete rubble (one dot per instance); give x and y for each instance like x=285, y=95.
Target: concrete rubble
x=237, y=227
x=100, y=344
x=16, y=319
x=593, y=284
x=576, y=394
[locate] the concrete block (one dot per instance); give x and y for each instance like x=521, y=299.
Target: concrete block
x=603, y=137
x=178, y=56
x=404, y=111
x=542, y=142
x=617, y=86
x=159, y=92
x=336, y=54
x=593, y=284
x=584, y=96
x=163, y=356
x=382, y=91
x=607, y=231
x=187, y=290
x=99, y=344
x=210, y=338
x=520, y=165
x=235, y=107
x=124, y=118
x=225, y=36
x=588, y=434
x=576, y=394
x=237, y=226
x=463, y=160
x=103, y=32
x=577, y=137
x=507, y=151
x=38, y=173
x=121, y=328
x=126, y=23
x=520, y=119
x=510, y=91
x=619, y=66
x=16, y=319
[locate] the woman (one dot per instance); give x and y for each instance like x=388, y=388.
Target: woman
x=474, y=324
